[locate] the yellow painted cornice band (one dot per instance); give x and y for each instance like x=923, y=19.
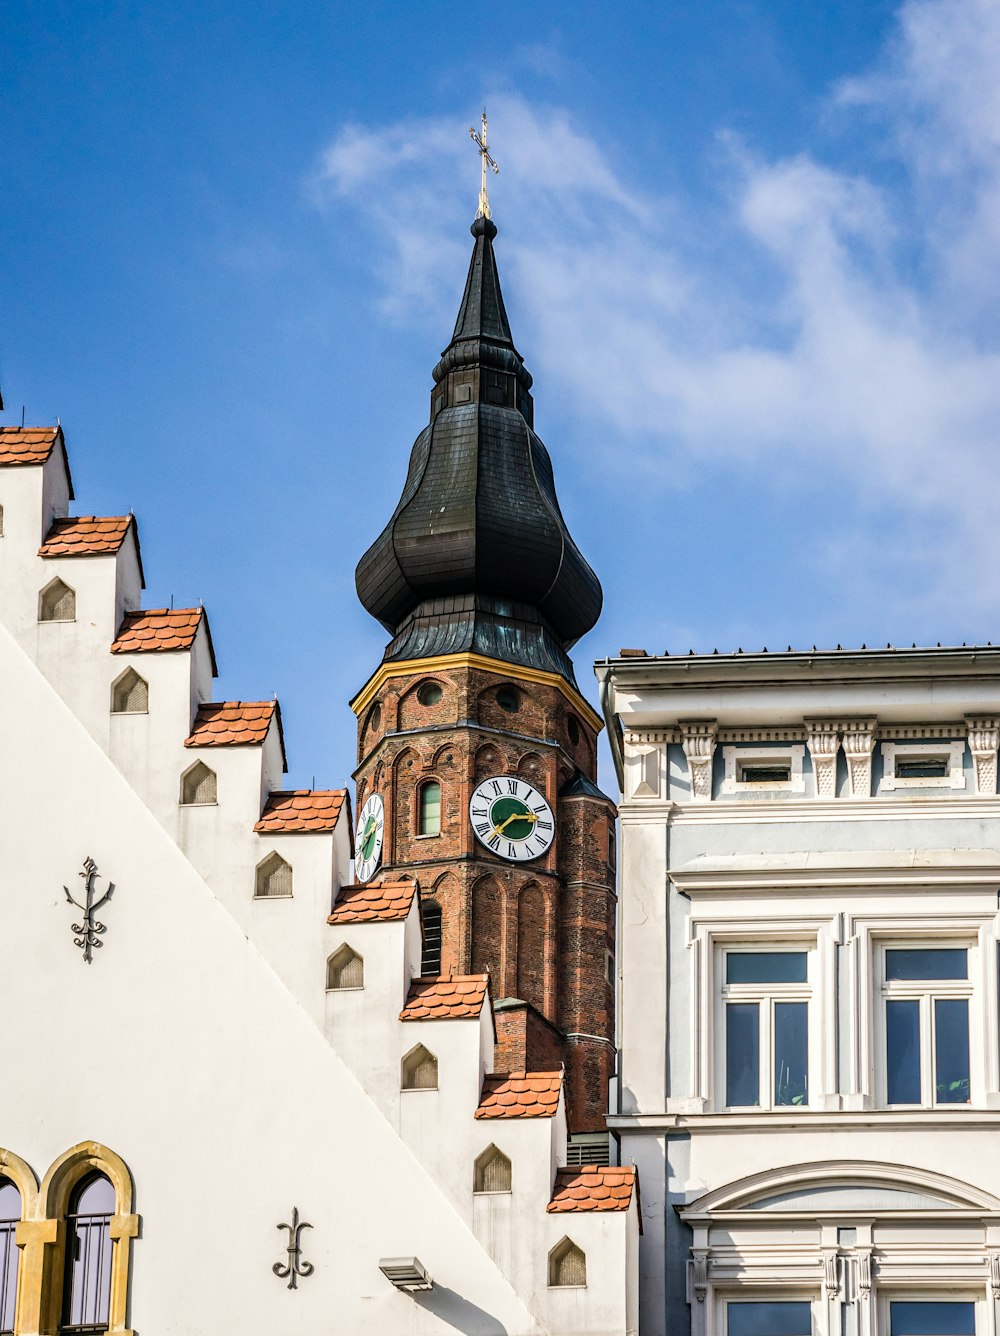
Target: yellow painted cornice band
x=442, y=662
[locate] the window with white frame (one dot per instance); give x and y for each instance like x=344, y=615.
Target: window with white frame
x=925, y=995
x=929, y=1317
x=768, y=1317
x=923, y=765
x=765, y=993
x=763, y=769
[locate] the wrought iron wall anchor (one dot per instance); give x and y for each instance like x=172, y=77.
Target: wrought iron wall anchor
x=294, y=1267
x=89, y=931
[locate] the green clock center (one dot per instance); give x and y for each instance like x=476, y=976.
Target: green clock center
x=368, y=838
x=512, y=818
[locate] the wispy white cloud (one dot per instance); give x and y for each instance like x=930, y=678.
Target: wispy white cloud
x=846, y=320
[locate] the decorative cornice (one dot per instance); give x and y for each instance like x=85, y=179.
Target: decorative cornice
x=789, y=811
x=934, y=868
x=443, y=662
x=791, y=734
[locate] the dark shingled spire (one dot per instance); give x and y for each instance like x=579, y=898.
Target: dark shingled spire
x=477, y=556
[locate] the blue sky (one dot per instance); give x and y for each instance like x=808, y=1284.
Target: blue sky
x=748, y=250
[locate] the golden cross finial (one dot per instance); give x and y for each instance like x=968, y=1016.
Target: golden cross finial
x=484, y=153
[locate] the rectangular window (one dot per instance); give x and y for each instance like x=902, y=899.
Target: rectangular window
x=755, y=773
x=926, y=993
x=927, y=767
x=776, y=1317
x=932, y=1317
x=766, y=1017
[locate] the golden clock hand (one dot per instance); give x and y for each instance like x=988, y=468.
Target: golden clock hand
x=515, y=816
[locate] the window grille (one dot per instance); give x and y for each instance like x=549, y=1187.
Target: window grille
x=420, y=1070
x=274, y=877
x=87, y=1293
x=567, y=1264
x=588, y=1148
x=57, y=603
x=199, y=786
x=345, y=969
x=130, y=694
x=430, y=917
x=493, y=1172
x=10, y=1214
x=430, y=808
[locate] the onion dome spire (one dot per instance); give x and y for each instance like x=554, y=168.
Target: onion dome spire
x=477, y=556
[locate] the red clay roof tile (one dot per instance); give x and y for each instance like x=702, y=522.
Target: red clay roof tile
x=593, y=1187
x=301, y=811
x=232, y=723
x=387, y=901
x=86, y=536
x=27, y=445
x=158, y=629
x=520, y=1095
x=446, y=998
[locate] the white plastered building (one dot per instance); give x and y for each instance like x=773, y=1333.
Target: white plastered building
x=228, y=1103
x=809, y=1077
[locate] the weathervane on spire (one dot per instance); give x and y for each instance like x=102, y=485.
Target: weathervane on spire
x=484, y=153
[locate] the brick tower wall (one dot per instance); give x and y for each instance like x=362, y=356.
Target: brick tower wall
x=542, y=929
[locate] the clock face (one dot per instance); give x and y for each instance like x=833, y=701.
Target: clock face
x=512, y=818
x=371, y=824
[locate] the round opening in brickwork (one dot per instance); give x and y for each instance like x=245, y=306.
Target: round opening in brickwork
x=573, y=729
x=375, y=719
x=429, y=693
x=509, y=699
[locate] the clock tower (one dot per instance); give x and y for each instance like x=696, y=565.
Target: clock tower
x=477, y=753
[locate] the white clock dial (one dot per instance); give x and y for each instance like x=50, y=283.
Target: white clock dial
x=368, y=843
x=512, y=818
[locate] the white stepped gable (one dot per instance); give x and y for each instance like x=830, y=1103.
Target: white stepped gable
x=235, y=1042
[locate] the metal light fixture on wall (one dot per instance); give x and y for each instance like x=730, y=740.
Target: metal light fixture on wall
x=406, y=1273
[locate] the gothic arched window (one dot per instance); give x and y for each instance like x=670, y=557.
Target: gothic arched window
x=10, y=1214
x=345, y=969
x=430, y=919
x=419, y=1070
x=57, y=603
x=130, y=694
x=493, y=1172
x=429, y=819
x=199, y=786
x=87, y=1294
x=274, y=877
x=567, y=1264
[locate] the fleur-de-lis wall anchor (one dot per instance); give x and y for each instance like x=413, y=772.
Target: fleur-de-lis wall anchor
x=89, y=931
x=295, y=1266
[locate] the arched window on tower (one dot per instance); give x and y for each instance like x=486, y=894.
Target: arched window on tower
x=429, y=819
x=130, y=694
x=87, y=1293
x=430, y=919
x=10, y=1214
